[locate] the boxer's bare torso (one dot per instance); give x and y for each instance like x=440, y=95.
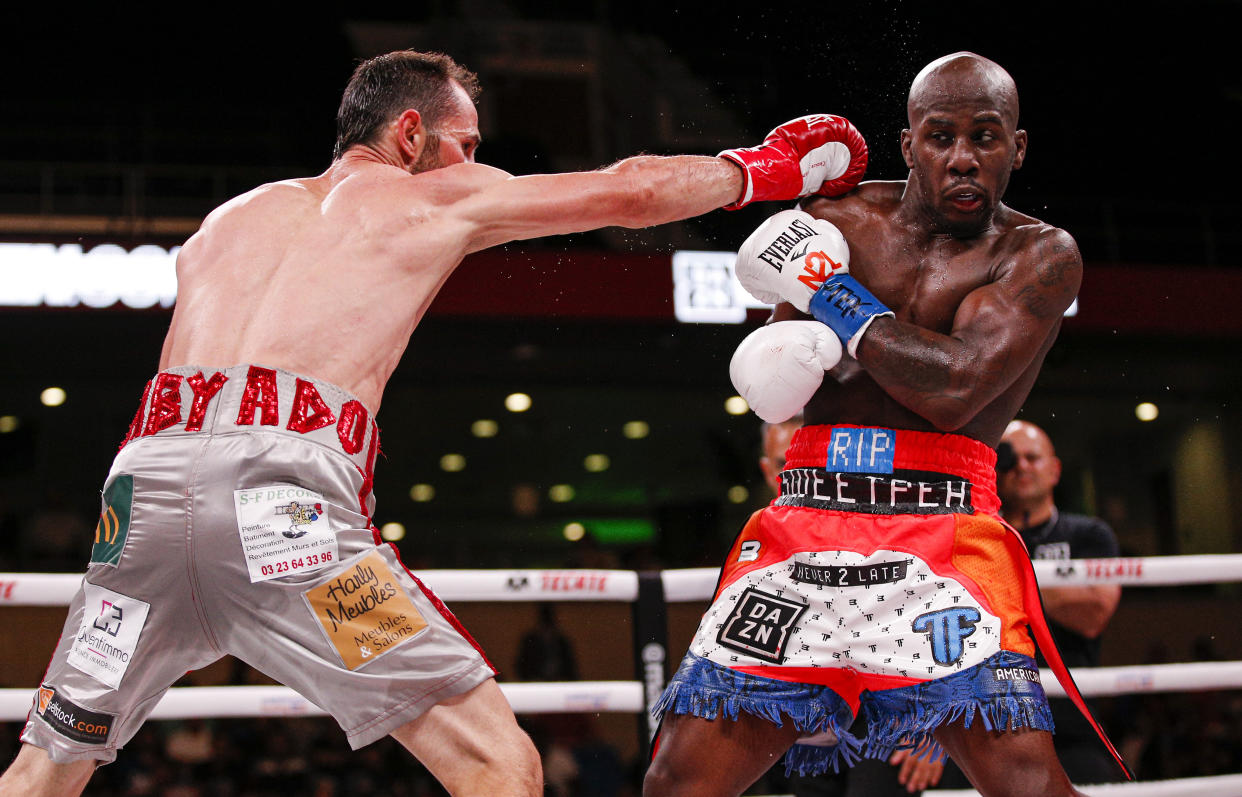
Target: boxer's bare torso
x=999, y=292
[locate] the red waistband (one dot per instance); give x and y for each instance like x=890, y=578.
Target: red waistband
x=844, y=448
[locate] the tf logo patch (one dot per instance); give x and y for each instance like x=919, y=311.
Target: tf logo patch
x=113, y=527
x=761, y=625
x=946, y=628
x=71, y=720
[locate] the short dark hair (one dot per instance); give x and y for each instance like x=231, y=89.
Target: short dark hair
x=386, y=85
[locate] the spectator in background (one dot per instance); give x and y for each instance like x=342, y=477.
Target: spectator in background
x=1077, y=615
x=909, y=773
x=545, y=652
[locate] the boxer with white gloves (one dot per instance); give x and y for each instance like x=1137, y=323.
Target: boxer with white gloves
x=882, y=583
x=797, y=258
x=778, y=367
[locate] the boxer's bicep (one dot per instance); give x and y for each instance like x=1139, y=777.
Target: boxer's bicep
x=998, y=330
x=1006, y=323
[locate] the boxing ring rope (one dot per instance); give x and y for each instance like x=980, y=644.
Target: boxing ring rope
x=685, y=585
x=680, y=586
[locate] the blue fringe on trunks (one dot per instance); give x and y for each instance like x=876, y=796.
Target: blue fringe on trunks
x=997, y=692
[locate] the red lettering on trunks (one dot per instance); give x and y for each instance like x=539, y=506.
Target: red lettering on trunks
x=352, y=427
x=260, y=393
x=165, y=404
x=204, y=390
x=309, y=410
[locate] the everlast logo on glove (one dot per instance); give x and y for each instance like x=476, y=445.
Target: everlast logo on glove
x=778, y=250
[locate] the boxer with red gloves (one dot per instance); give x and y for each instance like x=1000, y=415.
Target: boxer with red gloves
x=881, y=583
x=399, y=207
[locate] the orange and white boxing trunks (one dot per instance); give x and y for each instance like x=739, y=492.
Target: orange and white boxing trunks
x=880, y=582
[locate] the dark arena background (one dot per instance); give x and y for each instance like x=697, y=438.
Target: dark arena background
x=553, y=415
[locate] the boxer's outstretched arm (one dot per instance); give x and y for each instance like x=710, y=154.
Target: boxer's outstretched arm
x=820, y=153
x=997, y=332
x=636, y=192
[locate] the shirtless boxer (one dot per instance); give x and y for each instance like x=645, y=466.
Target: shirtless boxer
x=237, y=516
x=882, y=580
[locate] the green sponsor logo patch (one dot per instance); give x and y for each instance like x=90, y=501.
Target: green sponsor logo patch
x=113, y=526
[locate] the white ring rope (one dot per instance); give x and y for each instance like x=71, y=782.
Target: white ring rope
x=627, y=696
x=682, y=586
x=188, y=702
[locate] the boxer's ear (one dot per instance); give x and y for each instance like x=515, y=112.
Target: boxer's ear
x=411, y=135
x=1019, y=153
x=907, y=139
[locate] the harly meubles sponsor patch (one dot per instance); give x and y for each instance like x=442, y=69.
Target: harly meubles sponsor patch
x=113, y=527
x=69, y=719
x=284, y=530
x=364, y=611
x=761, y=625
x=108, y=636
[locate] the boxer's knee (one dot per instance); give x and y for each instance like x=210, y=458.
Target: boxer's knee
x=521, y=767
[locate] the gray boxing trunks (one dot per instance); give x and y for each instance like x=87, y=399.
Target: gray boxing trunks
x=237, y=520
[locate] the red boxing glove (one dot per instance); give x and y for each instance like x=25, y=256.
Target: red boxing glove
x=817, y=154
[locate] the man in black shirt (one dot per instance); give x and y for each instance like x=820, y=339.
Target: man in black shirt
x=1076, y=615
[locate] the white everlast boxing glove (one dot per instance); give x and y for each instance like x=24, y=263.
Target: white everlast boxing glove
x=797, y=258
x=788, y=257
x=778, y=367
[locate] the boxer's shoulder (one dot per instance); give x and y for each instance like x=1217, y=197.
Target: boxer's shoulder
x=871, y=202
x=1020, y=229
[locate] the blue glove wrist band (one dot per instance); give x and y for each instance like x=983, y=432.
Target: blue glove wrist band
x=845, y=306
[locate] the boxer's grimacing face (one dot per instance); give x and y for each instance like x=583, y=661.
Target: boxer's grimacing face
x=961, y=147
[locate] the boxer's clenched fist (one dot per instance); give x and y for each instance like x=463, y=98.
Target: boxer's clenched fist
x=817, y=154
x=778, y=367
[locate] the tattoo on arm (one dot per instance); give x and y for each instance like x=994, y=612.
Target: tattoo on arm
x=1055, y=276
